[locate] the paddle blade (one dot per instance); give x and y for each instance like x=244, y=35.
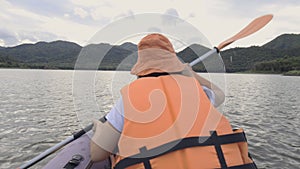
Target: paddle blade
x=254, y=26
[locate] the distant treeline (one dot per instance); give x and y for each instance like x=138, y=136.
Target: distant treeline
x=280, y=55
x=279, y=65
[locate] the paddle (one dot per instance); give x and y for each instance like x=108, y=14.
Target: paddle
x=251, y=28
x=254, y=26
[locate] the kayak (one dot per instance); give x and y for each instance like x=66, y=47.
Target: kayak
x=76, y=155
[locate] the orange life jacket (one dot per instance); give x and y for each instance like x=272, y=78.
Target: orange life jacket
x=170, y=123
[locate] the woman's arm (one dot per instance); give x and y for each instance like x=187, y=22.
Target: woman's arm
x=220, y=96
x=104, y=141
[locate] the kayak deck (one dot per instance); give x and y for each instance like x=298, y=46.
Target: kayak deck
x=76, y=155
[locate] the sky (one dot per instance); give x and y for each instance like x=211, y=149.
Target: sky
x=30, y=21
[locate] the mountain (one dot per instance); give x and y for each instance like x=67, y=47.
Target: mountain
x=284, y=42
x=115, y=56
x=129, y=46
x=43, y=52
x=61, y=54
x=245, y=59
x=52, y=54
x=64, y=55
x=191, y=53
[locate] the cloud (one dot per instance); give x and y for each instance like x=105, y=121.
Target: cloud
x=29, y=26
x=172, y=12
x=170, y=17
x=72, y=10
x=80, y=12
x=34, y=36
x=91, y=3
x=154, y=29
x=8, y=38
x=77, y=20
x=19, y=25
x=44, y=7
x=99, y=13
x=2, y=43
x=12, y=38
x=245, y=9
x=129, y=14
x=74, y=20
x=286, y=19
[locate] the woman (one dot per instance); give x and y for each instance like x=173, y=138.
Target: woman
x=166, y=117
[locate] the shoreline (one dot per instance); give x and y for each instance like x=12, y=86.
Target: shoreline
x=289, y=73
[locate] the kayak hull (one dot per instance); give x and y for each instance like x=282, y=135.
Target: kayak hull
x=76, y=154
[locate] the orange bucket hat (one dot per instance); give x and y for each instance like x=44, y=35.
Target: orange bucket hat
x=156, y=54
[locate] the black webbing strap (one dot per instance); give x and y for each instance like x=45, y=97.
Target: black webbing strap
x=214, y=139
x=218, y=148
x=244, y=166
x=146, y=161
x=157, y=74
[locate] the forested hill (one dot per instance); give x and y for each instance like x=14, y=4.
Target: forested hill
x=284, y=42
x=251, y=58
x=58, y=54
x=277, y=55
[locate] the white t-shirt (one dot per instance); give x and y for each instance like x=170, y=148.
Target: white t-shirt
x=116, y=115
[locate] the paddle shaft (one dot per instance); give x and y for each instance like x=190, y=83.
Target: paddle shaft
x=56, y=147
x=204, y=56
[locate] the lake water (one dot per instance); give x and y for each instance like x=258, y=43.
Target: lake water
x=38, y=110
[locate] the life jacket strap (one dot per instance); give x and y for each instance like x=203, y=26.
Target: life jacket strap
x=244, y=166
x=214, y=140
x=157, y=74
